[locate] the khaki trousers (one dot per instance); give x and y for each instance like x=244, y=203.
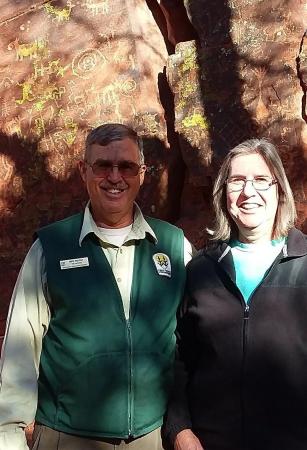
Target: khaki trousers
x=45, y=438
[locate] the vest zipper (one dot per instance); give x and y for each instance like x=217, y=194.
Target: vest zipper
x=130, y=393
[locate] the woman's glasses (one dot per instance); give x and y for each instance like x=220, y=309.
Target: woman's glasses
x=259, y=183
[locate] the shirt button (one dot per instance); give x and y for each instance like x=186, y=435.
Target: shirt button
x=120, y=250
x=119, y=279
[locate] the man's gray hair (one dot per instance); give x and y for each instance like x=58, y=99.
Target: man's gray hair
x=109, y=132
x=285, y=217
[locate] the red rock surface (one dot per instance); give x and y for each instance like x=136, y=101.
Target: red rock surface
x=67, y=66
x=251, y=63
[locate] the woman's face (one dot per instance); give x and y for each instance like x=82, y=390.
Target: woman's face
x=252, y=210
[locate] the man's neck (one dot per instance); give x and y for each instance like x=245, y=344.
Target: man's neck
x=113, y=221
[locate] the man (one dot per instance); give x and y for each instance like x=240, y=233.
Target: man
x=93, y=315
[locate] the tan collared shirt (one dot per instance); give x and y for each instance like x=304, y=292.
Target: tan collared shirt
x=28, y=321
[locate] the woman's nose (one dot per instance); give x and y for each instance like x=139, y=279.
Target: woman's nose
x=248, y=188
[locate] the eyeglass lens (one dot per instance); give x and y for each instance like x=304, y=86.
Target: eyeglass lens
x=259, y=183
x=126, y=168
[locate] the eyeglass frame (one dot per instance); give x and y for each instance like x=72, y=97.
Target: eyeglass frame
x=271, y=183
x=111, y=167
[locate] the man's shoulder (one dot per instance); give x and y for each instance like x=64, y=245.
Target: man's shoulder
x=158, y=224
x=63, y=223
x=66, y=228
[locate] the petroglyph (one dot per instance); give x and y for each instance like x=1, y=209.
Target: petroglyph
x=147, y=122
x=6, y=168
x=53, y=67
x=39, y=94
x=6, y=108
x=261, y=111
x=111, y=93
x=25, y=26
x=36, y=49
x=6, y=83
x=39, y=127
x=65, y=136
x=87, y=62
x=71, y=131
x=59, y=14
x=107, y=37
x=97, y=7
x=13, y=127
x=27, y=94
x=51, y=92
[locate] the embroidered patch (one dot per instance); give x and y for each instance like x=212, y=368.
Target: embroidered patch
x=163, y=264
x=74, y=263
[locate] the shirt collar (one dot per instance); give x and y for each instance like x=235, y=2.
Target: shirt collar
x=138, y=231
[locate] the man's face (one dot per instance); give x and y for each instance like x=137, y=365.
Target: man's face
x=112, y=195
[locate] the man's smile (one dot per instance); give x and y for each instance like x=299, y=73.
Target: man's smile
x=115, y=191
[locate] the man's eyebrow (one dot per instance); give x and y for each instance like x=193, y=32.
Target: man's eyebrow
x=115, y=162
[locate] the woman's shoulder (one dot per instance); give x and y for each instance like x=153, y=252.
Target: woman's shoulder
x=211, y=251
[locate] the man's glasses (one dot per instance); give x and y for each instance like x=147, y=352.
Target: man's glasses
x=102, y=168
x=236, y=184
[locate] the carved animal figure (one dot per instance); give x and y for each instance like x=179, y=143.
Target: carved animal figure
x=32, y=50
x=60, y=14
x=98, y=7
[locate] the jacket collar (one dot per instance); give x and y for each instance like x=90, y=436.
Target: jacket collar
x=221, y=254
x=296, y=246
x=296, y=243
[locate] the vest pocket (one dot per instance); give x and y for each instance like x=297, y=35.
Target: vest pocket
x=151, y=386
x=96, y=405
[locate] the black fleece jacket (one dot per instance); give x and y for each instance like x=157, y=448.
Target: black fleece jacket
x=241, y=377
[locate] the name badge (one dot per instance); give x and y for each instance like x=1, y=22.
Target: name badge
x=74, y=263
x=163, y=264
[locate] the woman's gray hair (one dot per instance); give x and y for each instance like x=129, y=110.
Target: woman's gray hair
x=285, y=217
x=109, y=132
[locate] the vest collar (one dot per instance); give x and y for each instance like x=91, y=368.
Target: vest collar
x=139, y=227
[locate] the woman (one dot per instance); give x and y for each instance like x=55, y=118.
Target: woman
x=241, y=382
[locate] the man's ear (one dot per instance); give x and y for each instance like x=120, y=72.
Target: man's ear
x=82, y=169
x=142, y=174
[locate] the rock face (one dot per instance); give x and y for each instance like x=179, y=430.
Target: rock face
x=67, y=66
x=245, y=76
x=194, y=77
x=251, y=61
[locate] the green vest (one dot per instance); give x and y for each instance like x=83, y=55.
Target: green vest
x=101, y=375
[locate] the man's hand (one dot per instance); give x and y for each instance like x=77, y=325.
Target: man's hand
x=186, y=440
x=29, y=434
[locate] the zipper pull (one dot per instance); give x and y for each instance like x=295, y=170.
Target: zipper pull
x=246, y=311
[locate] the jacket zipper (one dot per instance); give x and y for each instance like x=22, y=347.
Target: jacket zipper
x=244, y=350
x=130, y=378
x=245, y=325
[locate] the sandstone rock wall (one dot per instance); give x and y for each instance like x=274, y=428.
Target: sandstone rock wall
x=67, y=66
x=194, y=77
x=245, y=76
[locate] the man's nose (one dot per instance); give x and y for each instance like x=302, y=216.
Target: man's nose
x=114, y=174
